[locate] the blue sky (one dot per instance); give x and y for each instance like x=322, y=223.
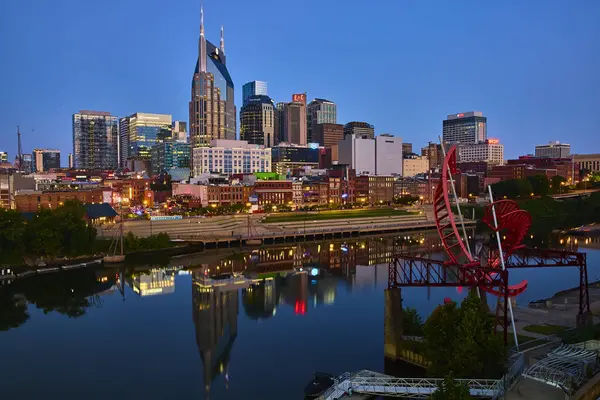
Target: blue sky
x=532, y=67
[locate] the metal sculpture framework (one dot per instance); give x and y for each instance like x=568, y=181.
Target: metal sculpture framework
x=487, y=272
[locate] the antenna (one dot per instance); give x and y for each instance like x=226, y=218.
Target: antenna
x=19, y=148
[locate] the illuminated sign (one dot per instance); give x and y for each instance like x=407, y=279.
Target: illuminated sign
x=165, y=217
x=460, y=115
x=313, y=146
x=299, y=98
x=493, y=141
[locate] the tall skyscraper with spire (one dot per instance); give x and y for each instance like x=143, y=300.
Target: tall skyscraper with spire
x=212, y=108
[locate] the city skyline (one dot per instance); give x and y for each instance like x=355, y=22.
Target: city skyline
x=495, y=83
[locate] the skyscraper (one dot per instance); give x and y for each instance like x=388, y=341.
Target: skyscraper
x=360, y=130
x=254, y=88
x=140, y=132
x=70, y=160
x=257, y=121
x=319, y=111
x=179, y=129
x=280, y=122
x=295, y=120
x=327, y=135
x=45, y=159
x=212, y=108
x=465, y=128
x=95, y=140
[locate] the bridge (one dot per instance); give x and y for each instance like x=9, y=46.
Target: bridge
x=377, y=384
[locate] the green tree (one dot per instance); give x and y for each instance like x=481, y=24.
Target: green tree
x=12, y=229
x=540, y=185
x=439, y=333
x=449, y=389
x=412, y=323
x=558, y=182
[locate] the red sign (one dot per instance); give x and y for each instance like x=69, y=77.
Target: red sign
x=493, y=141
x=299, y=98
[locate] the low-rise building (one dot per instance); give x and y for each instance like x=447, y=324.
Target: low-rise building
x=274, y=192
x=413, y=165
x=375, y=189
x=490, y=151
x=588, y=162
x=231, y=157
x=33, y=200
x=132, y=191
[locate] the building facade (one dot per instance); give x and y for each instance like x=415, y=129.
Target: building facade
x=179, y=131
x=319, y=111
x=257, y=121
x=31, y=201
x=358, y=153
x=361, y=130
x=168, y=155
x=388, y=155
x=490, y=152
x=433, y=152
x=407, y=148
x=231, y=157
x=95, y=140
x=212, y=107
x=287, y=156
x=45, y=159
x=295, y=123
x=140, y=132
x=70, y=160
x=3, y=157
x=588, y=162
x=553, y=150
x=414, y=165
x=254, y=88
x=465, y=128
x=327, y=135
x=274, y=192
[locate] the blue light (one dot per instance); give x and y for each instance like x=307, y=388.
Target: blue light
x=314, y=272
x=313, y=282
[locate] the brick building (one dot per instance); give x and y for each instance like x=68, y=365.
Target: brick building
x=31, y=201
x=274, y=192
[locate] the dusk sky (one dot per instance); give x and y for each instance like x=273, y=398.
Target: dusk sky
x=532, y=67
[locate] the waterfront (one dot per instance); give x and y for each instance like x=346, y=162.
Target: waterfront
x=161, y=331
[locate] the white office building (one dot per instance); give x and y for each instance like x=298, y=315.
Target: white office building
x=490, y=151
x=388, y=155
x=358, y=153
x=553, y=150
x=231, y=157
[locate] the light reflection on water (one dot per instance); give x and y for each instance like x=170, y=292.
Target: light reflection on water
x=219, y=325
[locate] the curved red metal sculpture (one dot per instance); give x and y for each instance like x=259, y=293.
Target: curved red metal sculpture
x=512, y=222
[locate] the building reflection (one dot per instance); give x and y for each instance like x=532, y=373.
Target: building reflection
x=156, y=281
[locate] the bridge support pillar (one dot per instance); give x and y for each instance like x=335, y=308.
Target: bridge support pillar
x=393, y=327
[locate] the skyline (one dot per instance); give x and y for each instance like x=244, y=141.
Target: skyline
x=529, y=97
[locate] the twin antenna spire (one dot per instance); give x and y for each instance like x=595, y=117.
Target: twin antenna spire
x=222, y=46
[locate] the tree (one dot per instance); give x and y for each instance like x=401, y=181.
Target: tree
x=440, y=338
x=540, y=185
x=557, y=183
x=412, y=323
x=12, y=228
x=449, y=389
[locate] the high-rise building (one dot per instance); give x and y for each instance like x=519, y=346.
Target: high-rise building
x=140, y=132
x=361, y=130
x=45, y=159
x=490, y=152
x=95, y=140
x=179, y=129
x=295, y=120
x=231, y=157
x=465, y=128
x=433, y=152
x=319, y=111
x=553, y=150
x=3, y=157
x=388, y=159
x=280, y=122
x=26, y=166
x=168, y=155
x=287, y=156
x=70, y=160
x=254, y=88
x=328, y=135
x=406, y=148
x=257, y=121
x=212, y=106
x=358, y=153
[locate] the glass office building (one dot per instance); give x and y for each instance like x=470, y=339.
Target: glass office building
x=168, y=155
x=45, y=159
x=257, y=121
x=95, y=140
x=319, y=111
x=140, y=132
x=285, y=158
x=212, y=107
x=465, y=128
x=254, y=88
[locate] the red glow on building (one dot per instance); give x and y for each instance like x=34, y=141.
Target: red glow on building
x=300, y=308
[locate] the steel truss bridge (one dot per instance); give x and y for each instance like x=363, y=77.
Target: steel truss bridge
x=409, y=271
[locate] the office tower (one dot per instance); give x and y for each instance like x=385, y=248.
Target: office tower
x=490, y=152
x=280, y=122
x=26, y=166
x=70, y=160
x=45, y=159
x=465, y=128
x=95, y=140
x=140, y=132
x=254, y=88
x=328, y=135
x=406, y=148
x=319, y=111
x=257, y=121
x=3, y=157
x=361, y=130
x=295, y=120
x=388, y=150
x=212, y=108
x=231, y=157
x=553, y=150
x=358, y=153
x=168, y=155
x=286, y=157
x=179, y=129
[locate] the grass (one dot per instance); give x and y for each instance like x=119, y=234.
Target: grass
x=545, y=329
x=337, y=214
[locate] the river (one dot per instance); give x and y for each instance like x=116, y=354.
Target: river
x=170, y=330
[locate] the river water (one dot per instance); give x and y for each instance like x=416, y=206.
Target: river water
x=185, y=328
